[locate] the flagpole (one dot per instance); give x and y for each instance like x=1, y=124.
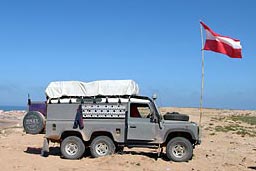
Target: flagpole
x=202, y=79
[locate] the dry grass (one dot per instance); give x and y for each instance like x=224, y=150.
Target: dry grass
x=239, y=124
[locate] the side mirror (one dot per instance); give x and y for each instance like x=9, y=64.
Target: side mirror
x=154, y=96
x=152, y=118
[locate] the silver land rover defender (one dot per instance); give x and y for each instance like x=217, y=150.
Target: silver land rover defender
x=107, y=124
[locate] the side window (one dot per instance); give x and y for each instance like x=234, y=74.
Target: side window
x=139, y=110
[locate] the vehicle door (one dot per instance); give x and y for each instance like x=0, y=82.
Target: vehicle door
x=141, y=126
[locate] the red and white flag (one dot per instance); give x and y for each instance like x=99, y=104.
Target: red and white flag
x=222, y=44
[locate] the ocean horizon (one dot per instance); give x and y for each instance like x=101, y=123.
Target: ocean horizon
x=10, y=108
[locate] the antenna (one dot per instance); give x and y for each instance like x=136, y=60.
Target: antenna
x=29, y=100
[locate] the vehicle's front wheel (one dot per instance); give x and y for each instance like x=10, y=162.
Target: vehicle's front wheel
x=102, y=146
x=179, y=149
x=72, y=148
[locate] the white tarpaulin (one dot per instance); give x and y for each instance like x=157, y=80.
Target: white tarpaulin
x=95, y=88
x=65, y=88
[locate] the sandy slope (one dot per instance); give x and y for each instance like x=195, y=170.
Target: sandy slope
x=218, y=151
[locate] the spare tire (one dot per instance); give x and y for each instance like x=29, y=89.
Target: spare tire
x=34, y=122
x=176, y=116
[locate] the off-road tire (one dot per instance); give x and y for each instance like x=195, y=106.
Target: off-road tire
x=102, y=146
x=72, y=148
x=34, y=122
x=176, y=116
x=179, y=149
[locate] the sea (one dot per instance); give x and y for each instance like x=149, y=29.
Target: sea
x=10, y=108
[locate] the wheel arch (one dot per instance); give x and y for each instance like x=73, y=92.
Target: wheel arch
x=179, y=133
x=102, y=133
x=66, y=134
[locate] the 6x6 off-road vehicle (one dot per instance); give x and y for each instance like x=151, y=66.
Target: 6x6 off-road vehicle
x=107, y=124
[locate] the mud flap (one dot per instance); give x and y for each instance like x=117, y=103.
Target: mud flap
x=45, y=149
x=159, y=150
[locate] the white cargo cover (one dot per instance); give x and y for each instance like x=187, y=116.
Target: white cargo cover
x=95, y=88
x=65, y=88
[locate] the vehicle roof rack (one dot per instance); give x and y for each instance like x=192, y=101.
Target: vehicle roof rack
x=95, y=99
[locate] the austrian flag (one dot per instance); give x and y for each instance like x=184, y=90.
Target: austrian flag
x=222, y=44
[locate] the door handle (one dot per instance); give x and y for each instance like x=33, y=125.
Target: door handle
x=133, y=126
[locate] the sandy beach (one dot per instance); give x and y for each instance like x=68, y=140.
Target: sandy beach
x=221, y=149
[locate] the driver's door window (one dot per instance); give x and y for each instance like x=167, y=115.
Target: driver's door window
x=144, y=111
x=139, y=111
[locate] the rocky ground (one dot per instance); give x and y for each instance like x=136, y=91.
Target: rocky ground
x=228, y=143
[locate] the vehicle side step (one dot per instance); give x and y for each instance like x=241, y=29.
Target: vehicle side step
x=142, y=146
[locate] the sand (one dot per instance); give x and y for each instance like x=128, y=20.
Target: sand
x=218, y=151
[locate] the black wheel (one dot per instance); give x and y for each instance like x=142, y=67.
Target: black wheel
x=72, y=148
x=102, y=146
x=176, y=116
x=179, y=149
x=34, y=122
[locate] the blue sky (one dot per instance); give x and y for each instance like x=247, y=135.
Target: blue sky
x=155, y=43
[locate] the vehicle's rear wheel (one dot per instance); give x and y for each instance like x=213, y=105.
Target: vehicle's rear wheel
x=102, y=146
x=179, y=149
x=72, y=148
